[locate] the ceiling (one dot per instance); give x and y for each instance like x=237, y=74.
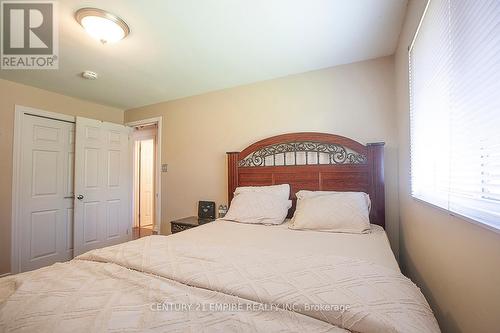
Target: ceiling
x=180, y=48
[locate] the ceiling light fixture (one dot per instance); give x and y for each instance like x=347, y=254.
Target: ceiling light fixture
x=101, y=25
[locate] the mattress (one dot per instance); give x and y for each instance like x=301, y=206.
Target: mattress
x=372, y=247
x=222, y=277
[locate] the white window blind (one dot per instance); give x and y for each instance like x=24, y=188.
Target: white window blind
x=455, y=108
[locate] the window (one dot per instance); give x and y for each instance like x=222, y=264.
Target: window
x=455, y=108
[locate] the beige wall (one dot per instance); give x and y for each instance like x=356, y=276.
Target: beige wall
x=11, y=94
x=355, y=100
x=454, y=262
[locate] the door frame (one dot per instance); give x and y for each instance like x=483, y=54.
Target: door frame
x=158, y=121
x=19, y=112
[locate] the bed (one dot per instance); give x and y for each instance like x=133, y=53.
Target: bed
x=234, y=277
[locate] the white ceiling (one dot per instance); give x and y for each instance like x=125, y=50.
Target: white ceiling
x=180, y=48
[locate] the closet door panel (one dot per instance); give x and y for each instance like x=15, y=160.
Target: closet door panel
x=46, y=187
x=102, y=185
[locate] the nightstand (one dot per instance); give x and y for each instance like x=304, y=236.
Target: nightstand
x=187, y=223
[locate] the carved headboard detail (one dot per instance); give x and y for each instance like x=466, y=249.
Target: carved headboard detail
x=312, y=161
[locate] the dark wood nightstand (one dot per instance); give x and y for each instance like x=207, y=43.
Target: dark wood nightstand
x=187, y=223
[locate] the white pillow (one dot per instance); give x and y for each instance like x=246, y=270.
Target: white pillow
x=302, y=194
x=258, y=208
x=332, y=212
x=282, y=191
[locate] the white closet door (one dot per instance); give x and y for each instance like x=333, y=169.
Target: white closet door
x=102, y=185
x=46, y=217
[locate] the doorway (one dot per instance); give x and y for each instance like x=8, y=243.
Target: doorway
x=145, y=138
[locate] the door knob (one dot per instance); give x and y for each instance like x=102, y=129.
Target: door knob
x=79, y=197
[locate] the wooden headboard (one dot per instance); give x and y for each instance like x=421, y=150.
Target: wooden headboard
x=312, y=161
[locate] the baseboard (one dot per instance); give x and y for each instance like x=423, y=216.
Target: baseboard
x=4, y=274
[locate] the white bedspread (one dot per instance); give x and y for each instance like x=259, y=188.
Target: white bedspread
x=373, y=247
x=133, y=287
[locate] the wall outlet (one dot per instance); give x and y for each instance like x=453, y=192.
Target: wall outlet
x=164, y=167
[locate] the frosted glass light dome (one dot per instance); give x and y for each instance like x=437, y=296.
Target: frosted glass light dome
x=101, y=25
